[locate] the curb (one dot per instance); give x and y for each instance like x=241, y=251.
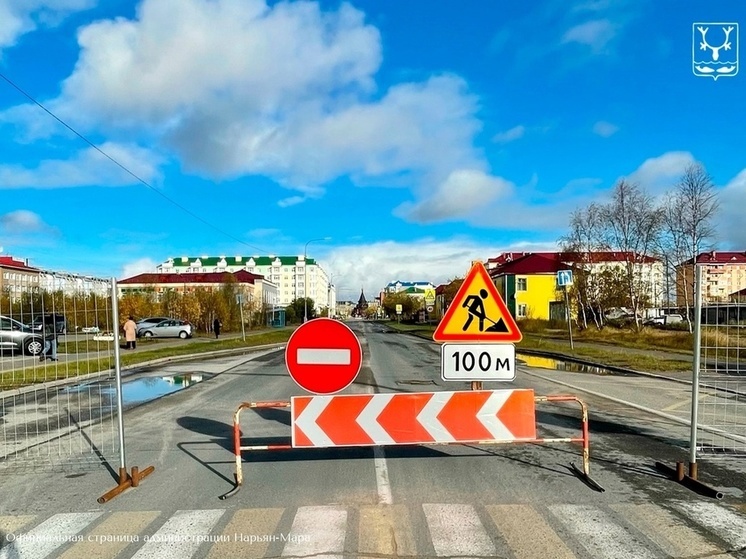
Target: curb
x=81, y=379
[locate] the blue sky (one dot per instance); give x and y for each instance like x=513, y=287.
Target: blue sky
x=417, y=135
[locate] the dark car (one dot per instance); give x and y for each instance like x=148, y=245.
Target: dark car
x=15, y=336
x=60, y=323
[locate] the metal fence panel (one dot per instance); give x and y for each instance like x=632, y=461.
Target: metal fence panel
x=722, y=373
x=54, y=412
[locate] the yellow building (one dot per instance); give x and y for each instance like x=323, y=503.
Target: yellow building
x=528, y=285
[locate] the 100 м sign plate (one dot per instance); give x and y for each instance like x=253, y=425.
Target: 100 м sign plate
x=483, y=361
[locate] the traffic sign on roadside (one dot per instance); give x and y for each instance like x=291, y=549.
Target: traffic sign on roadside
x=323, y=356
x=477, y=313
x=495, y=362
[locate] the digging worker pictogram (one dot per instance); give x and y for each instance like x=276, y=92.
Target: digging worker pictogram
x=475, y=306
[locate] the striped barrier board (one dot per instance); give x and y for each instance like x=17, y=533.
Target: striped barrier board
x=413, y=418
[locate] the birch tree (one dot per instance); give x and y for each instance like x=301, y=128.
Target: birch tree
x=688, y=215
x=632, y=225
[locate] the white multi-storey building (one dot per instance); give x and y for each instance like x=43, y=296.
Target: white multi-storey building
x=294, y=276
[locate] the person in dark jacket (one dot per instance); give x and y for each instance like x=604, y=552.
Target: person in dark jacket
x=50, y=339
x=216, y=325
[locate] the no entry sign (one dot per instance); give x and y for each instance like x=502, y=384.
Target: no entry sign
x=323, y=356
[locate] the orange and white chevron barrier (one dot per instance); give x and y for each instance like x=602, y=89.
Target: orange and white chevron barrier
x=422, y=418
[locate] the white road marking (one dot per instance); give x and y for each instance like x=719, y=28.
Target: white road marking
x=317, y=532
x=324, y=356
x=367, y=420
x=456, y=530
x=600, y=534
x=727, y=524
x=41, y=541
x=181, y=535
x=382, y=477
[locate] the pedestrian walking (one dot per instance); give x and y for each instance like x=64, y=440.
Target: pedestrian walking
x=50, y=339
x=216, y=325
x=130, y=333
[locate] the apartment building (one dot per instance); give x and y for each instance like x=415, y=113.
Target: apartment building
x=254, y=288
x=17, y=277
x=294, y=276
x=649, y=270
x=723, y=277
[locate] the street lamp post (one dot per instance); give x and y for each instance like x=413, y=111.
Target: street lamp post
x=305, y=276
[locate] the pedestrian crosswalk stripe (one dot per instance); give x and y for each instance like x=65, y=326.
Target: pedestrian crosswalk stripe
x=599, y=533
x=457, y=530
x=666, y=531
x=386, y=531
x=527, y=533
x=10, y=525
x=51, y=534
x=727, y=524
x=317, y=531
x=181, y=535
x=249, y=532
x=111, y=536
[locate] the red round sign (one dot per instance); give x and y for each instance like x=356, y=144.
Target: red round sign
x=323, y=356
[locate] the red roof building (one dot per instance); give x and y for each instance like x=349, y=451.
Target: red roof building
x=723, y=275
x=254, y=286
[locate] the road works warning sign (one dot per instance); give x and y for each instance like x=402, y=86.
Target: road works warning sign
x=478, y=313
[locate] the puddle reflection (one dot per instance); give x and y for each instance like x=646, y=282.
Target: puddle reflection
x=138, y=391
x=559, y=365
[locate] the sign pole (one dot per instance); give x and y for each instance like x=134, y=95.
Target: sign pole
x=567, y=313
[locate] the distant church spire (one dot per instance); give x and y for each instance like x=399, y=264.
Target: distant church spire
x=362, y=304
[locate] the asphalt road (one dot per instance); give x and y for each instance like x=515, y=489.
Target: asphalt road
x=517, y=500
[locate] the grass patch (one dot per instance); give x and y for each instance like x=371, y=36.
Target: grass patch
x=555, y=341
x=50, y=371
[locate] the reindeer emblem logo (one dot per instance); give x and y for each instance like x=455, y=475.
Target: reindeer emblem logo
x=715, y=50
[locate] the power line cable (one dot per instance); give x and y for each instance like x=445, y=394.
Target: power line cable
x=124, y=168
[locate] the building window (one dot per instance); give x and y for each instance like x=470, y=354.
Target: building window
x=521, y=284
x=522, y=310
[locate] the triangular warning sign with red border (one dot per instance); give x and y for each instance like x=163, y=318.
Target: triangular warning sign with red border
x=477, y=313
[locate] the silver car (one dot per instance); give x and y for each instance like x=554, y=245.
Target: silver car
x=171, y=328
x=145, y=323
x=15, y=336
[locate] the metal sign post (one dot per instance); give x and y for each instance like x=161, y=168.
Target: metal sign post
x=239, y=300
x=564, y=279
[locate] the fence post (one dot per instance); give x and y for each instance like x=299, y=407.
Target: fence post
x=696, y=363
x=118, y=371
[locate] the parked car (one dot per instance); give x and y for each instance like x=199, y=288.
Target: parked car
x=169, y=328
x=91, y=330
x=145, y=323
x=60, y=323
x=15, y=336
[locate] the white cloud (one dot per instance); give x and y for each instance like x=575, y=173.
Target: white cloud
x=458, y=195
x=595, y=34
x=659, y=174
x=373, y=266
x=510, y=135
x=22, y=16
x=732, y=202
x=139, y=266
x=605, y=129
x=291, y=201
x=234, y=101
x=88, y=168
x=23, y=222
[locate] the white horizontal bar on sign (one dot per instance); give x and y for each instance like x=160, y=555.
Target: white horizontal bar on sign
x=486, y=361
x=324, y=356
